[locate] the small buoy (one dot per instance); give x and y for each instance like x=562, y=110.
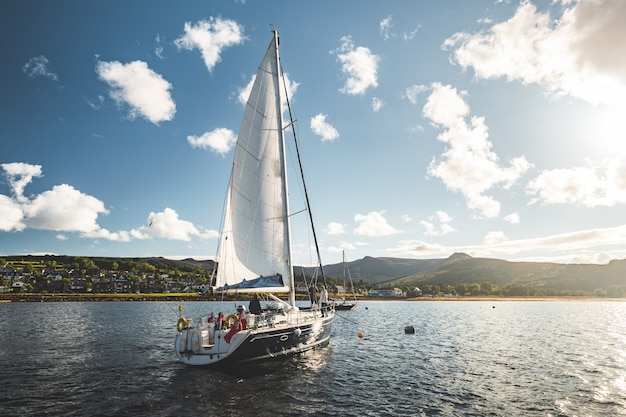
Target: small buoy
x=360, y=335
x=409, y=330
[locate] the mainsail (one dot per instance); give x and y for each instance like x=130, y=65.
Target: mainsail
x=254, y=253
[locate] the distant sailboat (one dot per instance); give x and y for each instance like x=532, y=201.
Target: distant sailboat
x=343, y=304
x=255, y=247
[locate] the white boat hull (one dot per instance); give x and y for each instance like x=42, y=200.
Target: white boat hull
x=272, y=336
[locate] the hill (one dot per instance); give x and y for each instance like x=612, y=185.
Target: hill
x=377, y=270
x=574, y=277
x=461, y=268
x=388, y=272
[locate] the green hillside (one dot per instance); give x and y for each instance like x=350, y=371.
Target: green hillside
x=558, y=277
x=459, y=274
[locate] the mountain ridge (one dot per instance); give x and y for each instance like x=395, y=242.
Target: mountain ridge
x=459, y=268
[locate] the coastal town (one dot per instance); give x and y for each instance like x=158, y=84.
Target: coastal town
x=81, y=275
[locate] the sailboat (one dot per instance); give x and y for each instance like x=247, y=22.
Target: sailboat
x=344, y=305
x=254, y=255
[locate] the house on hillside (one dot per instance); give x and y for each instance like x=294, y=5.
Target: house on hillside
x=386, y=292
x=415, y=292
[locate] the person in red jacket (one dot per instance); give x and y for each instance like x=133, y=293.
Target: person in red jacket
x=239, y=325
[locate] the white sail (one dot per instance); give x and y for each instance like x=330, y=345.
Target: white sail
x=254, y=253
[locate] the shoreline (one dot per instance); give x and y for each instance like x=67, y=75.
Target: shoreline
x=6, y=298
x=495, y=298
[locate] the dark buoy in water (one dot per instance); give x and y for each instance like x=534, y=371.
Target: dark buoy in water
x=409, y=330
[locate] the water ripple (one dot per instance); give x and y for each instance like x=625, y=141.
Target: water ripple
x=466, y=359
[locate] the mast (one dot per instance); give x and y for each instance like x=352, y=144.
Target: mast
x=283, y=169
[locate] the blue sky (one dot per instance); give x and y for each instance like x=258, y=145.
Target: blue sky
x=494, y=128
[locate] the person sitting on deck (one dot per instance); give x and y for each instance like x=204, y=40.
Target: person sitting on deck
x=239, y=325
x=219, y=324
x=255, y=306
x=213, y=318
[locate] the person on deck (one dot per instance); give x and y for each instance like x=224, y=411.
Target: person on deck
x=323, y=300
x=213, y=318
x=239, y=325
x=255, y=306
x=313, y=294
x=219, y=324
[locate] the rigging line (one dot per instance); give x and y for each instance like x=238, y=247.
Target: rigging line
x=174, y=311
x=306, y=194
x=297, y=212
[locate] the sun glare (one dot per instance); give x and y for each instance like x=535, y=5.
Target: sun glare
x=607, y=126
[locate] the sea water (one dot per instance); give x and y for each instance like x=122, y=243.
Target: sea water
x=474, y=358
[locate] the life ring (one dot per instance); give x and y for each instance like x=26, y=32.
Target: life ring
x=231, y=319
x=182, y=324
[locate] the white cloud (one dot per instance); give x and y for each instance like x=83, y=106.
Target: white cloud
x=39, y=67
x=211, y=38
x=220, y=140
x=343, y=247
x=66, y=209
x=577, y=54
x=143, y=90
x=319, y=126
x=19, y=175
x=359, y=66
x=443, y=217
x=429, y=228
x=444, y=220
x=158, y=49
x=512, y=218
x=167, y=225
x=121, y=236
x=413, y=91
x=377, y=104
x=335, y=228
x=95, y=104
x=468, y=165
x=385, y=27
x=603, y=184
x=494, y=237
x=406, y=218
x=244, y=92
x=571, y=244
x=411, y=35
x=373, y=224
x=419, y=248
x=583, y=246
x=11, y=215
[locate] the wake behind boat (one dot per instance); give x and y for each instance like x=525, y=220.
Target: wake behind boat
x=254, y=255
